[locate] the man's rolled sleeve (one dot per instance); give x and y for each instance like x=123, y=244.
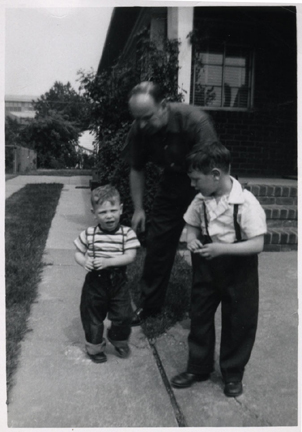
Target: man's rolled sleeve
x=203, y=131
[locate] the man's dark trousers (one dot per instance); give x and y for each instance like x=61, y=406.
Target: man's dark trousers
x=170, y=203
x=233, y=282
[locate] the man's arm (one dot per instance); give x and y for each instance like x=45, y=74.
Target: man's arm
x=137, y=183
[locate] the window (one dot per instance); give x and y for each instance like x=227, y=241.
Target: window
x=222, y=78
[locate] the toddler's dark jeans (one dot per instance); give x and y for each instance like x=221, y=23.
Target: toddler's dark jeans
x=105, y=292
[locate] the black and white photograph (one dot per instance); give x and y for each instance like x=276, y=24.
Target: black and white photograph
x=150, y=259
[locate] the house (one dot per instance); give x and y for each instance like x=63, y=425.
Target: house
x=239, y=63
x=20, y=108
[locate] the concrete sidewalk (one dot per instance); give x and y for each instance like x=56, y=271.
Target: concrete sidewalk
x=57, y=386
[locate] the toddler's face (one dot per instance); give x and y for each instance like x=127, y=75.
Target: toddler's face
x=108, y=214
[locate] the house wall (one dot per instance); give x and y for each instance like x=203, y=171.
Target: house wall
x=263, y=140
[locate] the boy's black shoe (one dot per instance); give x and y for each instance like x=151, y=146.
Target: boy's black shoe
x=98, y=358
x=140, y=315
x=233, y=389
x=186, y=379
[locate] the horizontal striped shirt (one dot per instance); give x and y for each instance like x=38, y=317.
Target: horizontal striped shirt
x=251, y=216
x=102, y=244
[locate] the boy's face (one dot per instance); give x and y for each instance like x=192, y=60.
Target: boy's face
x=207, y=184
x=108, y=214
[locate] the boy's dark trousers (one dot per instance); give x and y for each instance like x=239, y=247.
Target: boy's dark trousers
x=105, y=292
x=233, y=282
x=171, y=201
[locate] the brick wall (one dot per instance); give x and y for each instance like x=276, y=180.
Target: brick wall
x=264, y=139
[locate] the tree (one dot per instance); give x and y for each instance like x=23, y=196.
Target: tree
x=63, y=99
x=61, y=115
x=53, y=136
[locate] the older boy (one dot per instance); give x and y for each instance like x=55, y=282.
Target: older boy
x=104, y=251
x=225, y=234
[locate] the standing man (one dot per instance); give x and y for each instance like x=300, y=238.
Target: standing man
x=163, y=133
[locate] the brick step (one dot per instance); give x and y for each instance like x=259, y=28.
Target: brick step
x=281, y=239
x=281, y=216
x=279, y=191
x=281, y=201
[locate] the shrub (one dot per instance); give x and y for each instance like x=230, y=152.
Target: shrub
x=110, y=119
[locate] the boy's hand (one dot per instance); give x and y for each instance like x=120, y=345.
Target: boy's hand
x=89, y=264
x=100, y=263
x=194, y=245
x=210, y=250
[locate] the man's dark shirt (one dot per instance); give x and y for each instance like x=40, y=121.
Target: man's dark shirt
x=188, y=129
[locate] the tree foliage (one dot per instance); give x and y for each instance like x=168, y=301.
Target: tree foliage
x=61, y=115
x=54, y=138
x=63, y=99
x=110, y=119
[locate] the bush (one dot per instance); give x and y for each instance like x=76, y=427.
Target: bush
x=110, y=119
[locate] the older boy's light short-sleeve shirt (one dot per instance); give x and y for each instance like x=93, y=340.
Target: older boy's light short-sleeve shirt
x=220, y=215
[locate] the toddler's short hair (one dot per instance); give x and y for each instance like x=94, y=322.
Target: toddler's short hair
x=104, y=193
x=214, y=155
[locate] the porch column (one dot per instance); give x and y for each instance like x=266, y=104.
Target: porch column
x=180, y=24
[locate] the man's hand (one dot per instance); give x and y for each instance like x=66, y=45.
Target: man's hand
x=100, y=263
x=138, y=222
x=88, y=264
x=194, y=245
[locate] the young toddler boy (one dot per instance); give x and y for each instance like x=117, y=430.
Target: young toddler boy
x=225, y=234
x=104, y=251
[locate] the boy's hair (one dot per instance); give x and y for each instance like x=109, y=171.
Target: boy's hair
x=104, y=193
x=214, y=155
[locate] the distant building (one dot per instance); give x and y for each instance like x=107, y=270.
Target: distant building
x=240, y=67
x=20, y=108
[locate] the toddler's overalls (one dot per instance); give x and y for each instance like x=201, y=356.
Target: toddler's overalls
x=233, y=282
x=103, y=292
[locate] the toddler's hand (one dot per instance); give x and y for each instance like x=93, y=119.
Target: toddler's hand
x=194, y=245
x=100, y=263
x=89, y=264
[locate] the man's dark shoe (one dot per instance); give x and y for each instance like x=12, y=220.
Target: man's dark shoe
x=98, y=358
x=186, y=379
x=122, y=352
x=140, y=315
x=233, y=389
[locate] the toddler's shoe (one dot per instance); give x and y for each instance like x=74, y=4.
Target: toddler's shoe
x=98, y=358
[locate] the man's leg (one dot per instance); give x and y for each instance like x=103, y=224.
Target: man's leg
x=162, y=242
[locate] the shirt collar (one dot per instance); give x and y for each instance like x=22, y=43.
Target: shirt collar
x=236, y=195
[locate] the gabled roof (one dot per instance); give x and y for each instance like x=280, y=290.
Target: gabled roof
x=120, y=27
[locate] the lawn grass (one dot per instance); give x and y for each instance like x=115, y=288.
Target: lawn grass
x=60, y=172
x=28, y=216
x=177, y=302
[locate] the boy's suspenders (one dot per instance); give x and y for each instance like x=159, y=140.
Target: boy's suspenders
x=93, y=240
x=208, y=239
